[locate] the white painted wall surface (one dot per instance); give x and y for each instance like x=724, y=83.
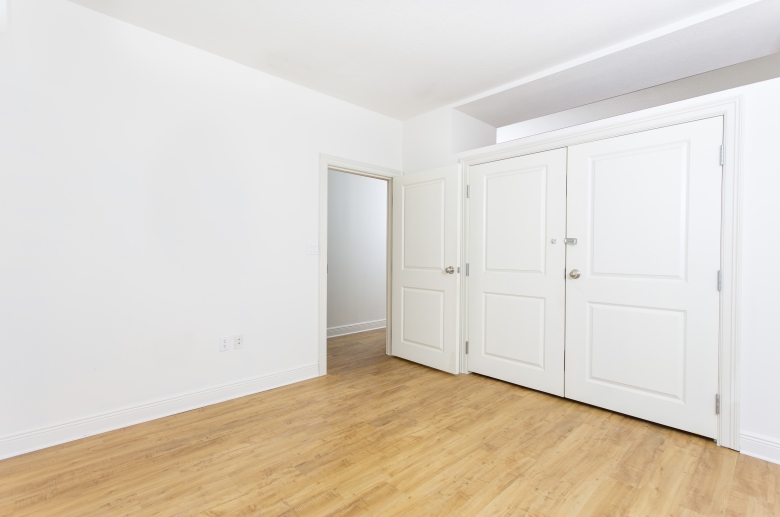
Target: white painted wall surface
x=153, y=197
x=431, y=140
x=357, y=253
x=470, y=133
x=760, y=338
x=427, y=141
x=3, y=15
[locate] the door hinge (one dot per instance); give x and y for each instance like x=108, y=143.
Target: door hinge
x=467, y=269
x=468, y=190
x=720, y=279
x=467, y=347
x=722, y=155
x=717, y=403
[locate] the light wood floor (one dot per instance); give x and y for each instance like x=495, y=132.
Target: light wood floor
x=381, y=436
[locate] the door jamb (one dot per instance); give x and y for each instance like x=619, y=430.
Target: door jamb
x=327, y=163
x=729, y=107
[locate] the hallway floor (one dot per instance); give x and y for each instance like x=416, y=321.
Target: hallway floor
x=384, y=437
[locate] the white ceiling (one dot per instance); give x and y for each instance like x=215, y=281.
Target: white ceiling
x=406, y=57
x=734, y=37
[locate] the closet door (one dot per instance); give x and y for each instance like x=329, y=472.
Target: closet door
x=517, y=222
x=642, y=300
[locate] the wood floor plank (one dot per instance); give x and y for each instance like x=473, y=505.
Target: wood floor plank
x=612, y=499
x=380, y=436
x=660, y=491
x=711, y=481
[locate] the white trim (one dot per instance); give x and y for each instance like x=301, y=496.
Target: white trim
x=464, y=260
x=761, y=447
x=724, y=104
x=41, y=438
x=354, y=328
x=689, y=110
x=362, y=169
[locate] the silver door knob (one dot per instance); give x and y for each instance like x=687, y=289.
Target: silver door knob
x=450, y=270
x=575, y=273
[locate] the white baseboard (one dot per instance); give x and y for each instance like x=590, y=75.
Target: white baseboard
x=33, y=440
x=758, y=446
x=356, y=327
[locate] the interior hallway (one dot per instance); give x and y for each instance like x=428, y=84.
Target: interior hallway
x=382, y=436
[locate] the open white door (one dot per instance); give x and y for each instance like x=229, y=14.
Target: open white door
x=426, y=267
x=642, y=301
x=517, y=223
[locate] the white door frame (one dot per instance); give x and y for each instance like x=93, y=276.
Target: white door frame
x=726, y=105
x=361, y=169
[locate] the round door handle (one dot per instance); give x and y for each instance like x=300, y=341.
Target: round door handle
x=450, y=270
x=575, y=273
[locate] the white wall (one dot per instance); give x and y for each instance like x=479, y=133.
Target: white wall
x=470, y=133
x=153, y=197
x=427, y=141
x=432, y=139
x=760, y=285
x=357, y=253
x=3, y=15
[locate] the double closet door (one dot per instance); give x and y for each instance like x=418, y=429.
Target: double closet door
x=594, y=273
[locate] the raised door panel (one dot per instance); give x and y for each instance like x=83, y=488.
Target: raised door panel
x=423, y=225
x=422, y=317
x=515, y=220
x=640, y=212
x=514, y=329
x=637, y=348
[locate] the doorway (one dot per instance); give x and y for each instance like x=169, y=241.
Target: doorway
x=355, y=251
x=356, y=254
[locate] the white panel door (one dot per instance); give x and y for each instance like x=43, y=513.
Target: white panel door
x=516, y=255
x=426, y=242
x=642, y=319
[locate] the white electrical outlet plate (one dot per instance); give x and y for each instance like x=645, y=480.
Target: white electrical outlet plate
x=238, y=341
x=224, y=343
x=313, y=248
